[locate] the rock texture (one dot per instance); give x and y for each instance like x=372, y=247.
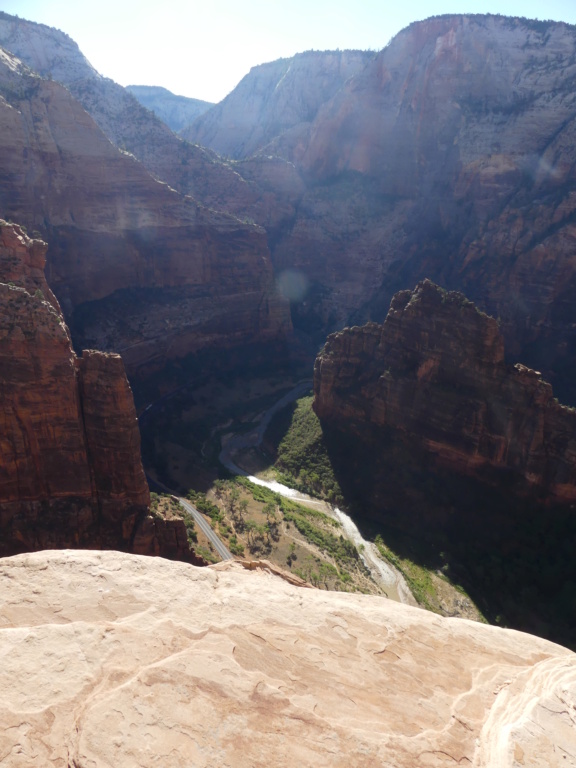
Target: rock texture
x=450, y=155
x=137, y=267
x=274, y=99
x=435, y=373
x=71, y=473
x=447, y=155
x=130, y=126
x=469, y=463
x=177, y=112
x=115, y=660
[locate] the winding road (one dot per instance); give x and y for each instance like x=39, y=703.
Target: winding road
x=199, y=519
x=384, y=574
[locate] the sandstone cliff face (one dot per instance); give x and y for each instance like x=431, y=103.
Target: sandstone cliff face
x=449, y=156
x=469, y=463
x=274, y=98
x=71, y=473
x=151, y=661
x=112, y=229
x=55, y=447
x=435, y=373
x=192, y=170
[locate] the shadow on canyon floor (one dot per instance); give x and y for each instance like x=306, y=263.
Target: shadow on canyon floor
x=513, y=556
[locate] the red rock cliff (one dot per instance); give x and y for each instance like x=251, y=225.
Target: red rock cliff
x=138, y=268
x=434, y=375
x=449, y=156
x=71, y=473
x=273, y=99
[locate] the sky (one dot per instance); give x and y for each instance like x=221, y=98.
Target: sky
x=202, y=49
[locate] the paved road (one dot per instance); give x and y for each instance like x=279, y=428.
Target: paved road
x=206, y=529
x=199, y=519
x=254, y=438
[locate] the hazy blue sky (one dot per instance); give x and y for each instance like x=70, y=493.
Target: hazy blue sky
x=203, y=49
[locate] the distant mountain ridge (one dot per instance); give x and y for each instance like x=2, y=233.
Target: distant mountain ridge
x=177, y=112
x=48, y=51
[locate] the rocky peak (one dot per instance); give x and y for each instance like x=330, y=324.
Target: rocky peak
x=466, y=461
x=71, y=473
x=22, y=262
x=46, y=50
x=434, y=373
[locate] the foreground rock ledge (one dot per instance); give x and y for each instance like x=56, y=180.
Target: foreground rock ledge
x=116, y=660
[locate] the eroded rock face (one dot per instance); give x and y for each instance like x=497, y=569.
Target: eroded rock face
x=435, y=374
x=466, y=461
x=274, y=99
x=71, y=473
x=138, y=268
x=449, y=156
x=71, y=468
x=150, y=661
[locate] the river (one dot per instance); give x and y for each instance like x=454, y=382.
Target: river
x=388, y=578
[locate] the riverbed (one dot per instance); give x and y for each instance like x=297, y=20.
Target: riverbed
x=388, y=578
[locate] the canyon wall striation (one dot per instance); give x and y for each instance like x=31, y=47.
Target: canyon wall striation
x=137, y=267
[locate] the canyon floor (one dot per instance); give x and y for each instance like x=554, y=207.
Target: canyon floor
x=188, y=431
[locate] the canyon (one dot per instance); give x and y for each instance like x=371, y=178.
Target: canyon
x=351, y=175
x=314, y=197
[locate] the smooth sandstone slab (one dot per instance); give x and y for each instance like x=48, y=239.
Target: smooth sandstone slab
x=109, y=659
